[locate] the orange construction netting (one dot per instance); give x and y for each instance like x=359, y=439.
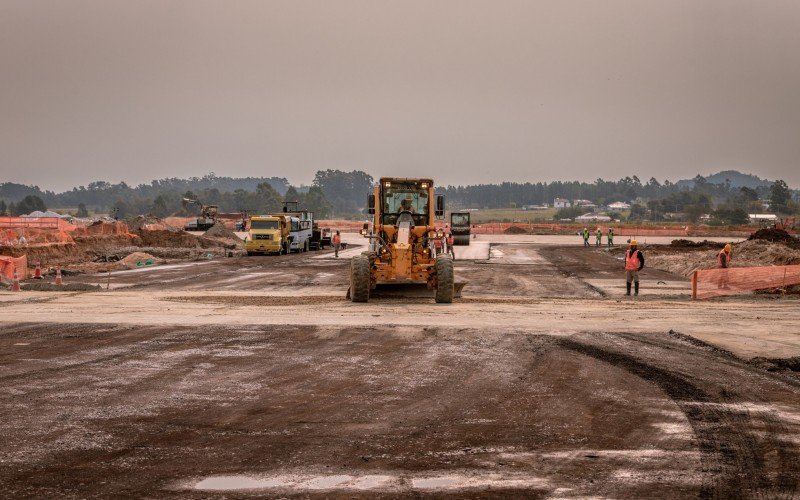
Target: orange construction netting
x=8, y=264
x=708, y=283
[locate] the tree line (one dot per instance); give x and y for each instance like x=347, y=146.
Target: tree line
x=332, y=193
x=341, y=194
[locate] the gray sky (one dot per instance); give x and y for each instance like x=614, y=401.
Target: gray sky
x=464, y=91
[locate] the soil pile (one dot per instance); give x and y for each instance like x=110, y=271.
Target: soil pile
x=705, y=244
x=45, y=286
x=775, y=235
x=138, y=259
x=750, y=253
x=149, y=222
x=515, y=230
x=219, y=230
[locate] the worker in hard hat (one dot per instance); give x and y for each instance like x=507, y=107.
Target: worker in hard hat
x=724, y=257
x=724, y=262
x=598, y=237
x=611, y=236
x=634, y=262
x=585, y=234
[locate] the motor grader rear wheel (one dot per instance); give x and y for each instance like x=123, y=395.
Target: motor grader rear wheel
x=359, y=278
x=445, y=282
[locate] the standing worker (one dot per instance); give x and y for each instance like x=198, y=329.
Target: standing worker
x=337, y=243
x=585, y=237
x=598, y=237
x=724, y=257
x=450, y=249
x=611, y=236
x=723, y=262
x=634, y=262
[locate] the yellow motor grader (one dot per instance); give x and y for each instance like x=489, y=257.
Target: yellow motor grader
x=401, y=249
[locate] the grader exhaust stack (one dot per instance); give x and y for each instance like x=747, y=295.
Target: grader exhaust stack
x=401, y=250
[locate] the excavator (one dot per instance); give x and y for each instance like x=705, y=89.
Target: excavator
x=401, y=242
x=208, y=216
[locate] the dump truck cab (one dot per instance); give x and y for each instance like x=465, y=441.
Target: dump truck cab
x=401, y=240
x=460, y=227
x=268, y=234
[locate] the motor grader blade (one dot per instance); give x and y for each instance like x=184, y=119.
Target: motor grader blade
x=409, y=290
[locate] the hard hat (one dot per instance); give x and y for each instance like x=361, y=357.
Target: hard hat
x=633, y=243
x=727, y=248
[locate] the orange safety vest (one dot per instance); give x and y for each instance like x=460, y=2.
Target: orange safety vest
x=632, y=260
x=337, y=239
x=450, y=239
x=437, y=243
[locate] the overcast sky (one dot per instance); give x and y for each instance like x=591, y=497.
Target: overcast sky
x=463, y=91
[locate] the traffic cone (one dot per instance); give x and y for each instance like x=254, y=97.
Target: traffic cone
x=59, y=281
x=15, y=282
x=37, y=273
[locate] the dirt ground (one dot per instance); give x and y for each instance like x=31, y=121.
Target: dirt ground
x=252, y=376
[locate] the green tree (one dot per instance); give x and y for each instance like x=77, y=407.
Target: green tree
x=316, y=202
x=779, y=197
x=82, y=212
x=292, y=195
x=268, y=200
x=30, y=203
x=159, y=207
x=3, y=207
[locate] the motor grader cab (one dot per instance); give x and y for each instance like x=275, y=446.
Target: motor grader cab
x=401, y=241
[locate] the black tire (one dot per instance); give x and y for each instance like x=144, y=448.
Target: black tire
x=359, y=279
x=445, y=282
x=305, y=246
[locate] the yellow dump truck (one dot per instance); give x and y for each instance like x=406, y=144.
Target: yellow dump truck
x=268, y=234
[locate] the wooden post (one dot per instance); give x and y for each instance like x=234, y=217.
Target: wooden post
x=694, y=285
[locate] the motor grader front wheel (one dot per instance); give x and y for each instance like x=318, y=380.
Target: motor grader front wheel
x=359, y=278
x=445, y=281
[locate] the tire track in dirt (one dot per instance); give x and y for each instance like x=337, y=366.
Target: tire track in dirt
x=733, y=457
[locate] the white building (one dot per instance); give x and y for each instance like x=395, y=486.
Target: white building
x=561, y=203
x=756, y=218
x=619, y=205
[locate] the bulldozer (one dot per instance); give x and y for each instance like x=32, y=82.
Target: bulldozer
x=401, y=242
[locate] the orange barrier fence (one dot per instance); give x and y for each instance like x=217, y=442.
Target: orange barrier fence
x=29, y=222
x=8, y=264
x=708, y=283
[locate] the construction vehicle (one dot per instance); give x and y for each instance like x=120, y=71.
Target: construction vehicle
x=269, y=234
x=208, y=216
x=300, y=231
x=401, y=241
x=320, y=237
x=459, y=227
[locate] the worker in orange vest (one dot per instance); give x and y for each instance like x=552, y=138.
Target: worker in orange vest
x=634, y=262
x=337, y=243
x=724, y=262
x=724, y=257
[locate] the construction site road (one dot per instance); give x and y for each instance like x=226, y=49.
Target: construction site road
x=253, y=376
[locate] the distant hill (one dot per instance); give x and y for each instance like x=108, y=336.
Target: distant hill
x=736, y=178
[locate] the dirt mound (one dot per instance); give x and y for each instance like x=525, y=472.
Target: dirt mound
x=776, y=236
x=749, y=253
x=515, y=230
x=149, y=222
x=704, y=245
x=138, y=259
x=219, y=230
x=45, y=286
